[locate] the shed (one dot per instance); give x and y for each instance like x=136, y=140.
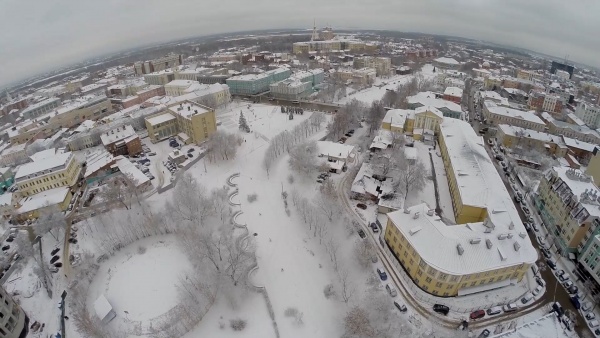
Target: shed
x=104, y=310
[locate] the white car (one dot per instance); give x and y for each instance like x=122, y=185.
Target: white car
x=537, y=290
x=391, y=290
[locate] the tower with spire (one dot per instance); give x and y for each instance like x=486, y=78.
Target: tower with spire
x=315, y=34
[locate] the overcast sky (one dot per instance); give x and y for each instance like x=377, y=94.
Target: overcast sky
x=40, y=35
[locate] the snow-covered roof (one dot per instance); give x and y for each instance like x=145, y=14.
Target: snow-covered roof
x=15, y=149
x=397, y=117
x=85, y=126
x=334, y=149
x=430, y=109
x=97, y=160
x=102, y=307
x=565, y=125
x=573, y=143
x=160, y=119
x=43, y=199
x=448, y=61
x=453, y=91
x=44, y=154
x=437, y=242
x=529, y=133
x=576, y=119
x=45, y=165
x=491, y=95
x=128, y=168
x=382, y=140
x=410, y=153
x=515, y=91
x=429, y=99
x=6, y=199
x=187, y=109
x=117, y=134
x=513, y=113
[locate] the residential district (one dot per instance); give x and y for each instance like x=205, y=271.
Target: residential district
x=306, y=184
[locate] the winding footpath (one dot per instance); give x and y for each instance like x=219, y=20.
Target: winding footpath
x=240, y=243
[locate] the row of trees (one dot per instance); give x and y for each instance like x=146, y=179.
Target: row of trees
x=222, y=145
x=284, y=141
x=347, y=118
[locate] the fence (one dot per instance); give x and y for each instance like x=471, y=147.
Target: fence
x=424, y=297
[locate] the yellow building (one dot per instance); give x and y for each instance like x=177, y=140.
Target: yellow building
x=48, y=172
x=161, y=126
x=54, y=199
x=428, y=118
x=455, y=260
x=514, y=137
x=194, y=123
x=397, y=120
x=79, y=110
x=568, y=204
x=593, y=168
x=496, y=114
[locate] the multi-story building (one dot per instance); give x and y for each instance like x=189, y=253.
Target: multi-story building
x=14, y=155
x=453, y=94
x=528, y=75
x=165, y=62
x=382, y=65
x=562, y=66
x=540, y=101
x=427, y=118
x=575, y=131
x=334, y=46
x=213, y=95
x=7, y=178
x=446, y=63
x=122, y=140
x=49, y=172
x=364, y=76
x=489, y=247
x=160, y=78
x=40, y=108
x=78, y=110
x=181, y=87
x=448, y=108
x=504, y=115
x=519, y=138
x=590, y=257
x=397, y=120
x=568, y=202
x=297, y=86
x=14, y=323
x=252, y=84
x=194, y=123
x=588, y=113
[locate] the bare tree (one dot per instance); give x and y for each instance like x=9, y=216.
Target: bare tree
x=410, y=177
x=303, y=156
x=358, y=324
x=346, y=285
x=190, y=202
x=50, y=218
x=375, y=115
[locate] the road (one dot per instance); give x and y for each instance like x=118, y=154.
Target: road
x=554, y=290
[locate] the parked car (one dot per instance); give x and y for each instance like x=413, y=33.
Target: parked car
x=568, y=284
x=535, y=227
x=361, y=233
x=573, y=290
x=551, y=263
x=361, y=206
x=374, y=227
x=563, y=278
x=191, y=150
x=477, y=314
x=190, y=155
x=400, y=307
x=391, y=290
x=517, y=199
x=537, y=290
x=527, y=298
x=587, y=306
x=590, y=316
x=494, y=311
x=593, y=323
x=556, y=307
x=546, y=254
x=568, y=323
x=500, y=157
x=443, y=309
x=382, y=274
x=509, y=307
x=559, y=272
x=575, y=301
x=484, y=333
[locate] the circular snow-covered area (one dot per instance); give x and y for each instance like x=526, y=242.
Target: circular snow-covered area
x=143, y=284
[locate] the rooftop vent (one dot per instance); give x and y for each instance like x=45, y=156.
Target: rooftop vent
x=475, y=240
x=430, y=212
x=502, y=236
x=406, y=211
x=511, y=225
x=414, y=230
x=460, y=249
x=517, y=246
x=416, y=215
x=502, y=255
x=510, y=235
x=522, y=234
x=488, y=243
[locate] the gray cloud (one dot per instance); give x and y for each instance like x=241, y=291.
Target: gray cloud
x=39, y=35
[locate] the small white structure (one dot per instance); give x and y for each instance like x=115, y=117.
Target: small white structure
x=104, y=310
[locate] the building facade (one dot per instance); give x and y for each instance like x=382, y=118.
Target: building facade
x=14, y=323
x=122, y=140
x=191, y=122
x=589, y=113
x=504, y=115
x=518, y=138
x=382, y=65
x=253, y=84
x=161, y=126
x=60, y=170
x=151, y=66
x=40, y=108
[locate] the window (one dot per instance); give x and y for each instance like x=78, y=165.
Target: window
x=473, y=283
x=438, y=284
x=420, y=272
x=428, y=280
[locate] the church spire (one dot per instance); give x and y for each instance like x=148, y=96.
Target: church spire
x=315, y=35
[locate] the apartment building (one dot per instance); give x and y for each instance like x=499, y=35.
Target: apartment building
x=496, y=115
x=486, y=249
x=298, y=86
x=399, y=120
x=334, y=46
x=192, y=123
x=160, y=78
x=448, y=108
x=568, y=202
x=214, y=95
x=588, y=113
x=14, y=155
x=14, y=323
x=382, y=65
x=529, y=75
x=162, y=63
x=48, y=172
x=446, y=63
x=575, y=131
x=540, y=101
x=519, y=138
x=122, y=140
x=590, y=257
x=252, y=84
x=40, y=108
x=453, y=94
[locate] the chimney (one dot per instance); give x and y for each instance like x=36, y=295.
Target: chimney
x=188, y=108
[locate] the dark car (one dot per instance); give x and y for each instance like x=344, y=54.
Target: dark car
x=361, y=206
x=499, y=157
x=400, y=307
x=382, y=274
x=477, y=314
x=361, y=233
x=556, y=307
x=443, y=309
x=484, y=333
x=575, y=301
x=551, y=264
x=546, y=254
x=573, y=289
x=191, y=150
x=374, y=227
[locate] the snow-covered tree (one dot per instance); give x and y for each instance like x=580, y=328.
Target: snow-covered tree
x=410, y=177
x=243, y=124
x=303, y=157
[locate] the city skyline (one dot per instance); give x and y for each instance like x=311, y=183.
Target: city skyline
x=50, y=27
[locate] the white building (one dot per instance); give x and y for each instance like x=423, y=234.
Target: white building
x=497, y=115
x=181, y=87
x=588, y=113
